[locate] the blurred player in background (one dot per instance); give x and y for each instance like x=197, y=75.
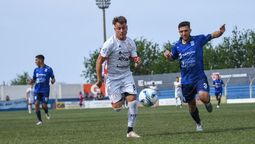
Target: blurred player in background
x=189, y=50
x=153, y=86
x=81, y=98
x=41, y=79
x=178, y=92
x=30, y=97
x=218, y=84
x=117, y=51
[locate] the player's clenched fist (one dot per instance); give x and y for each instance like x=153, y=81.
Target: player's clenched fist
x=167, y=54
x=137, y=60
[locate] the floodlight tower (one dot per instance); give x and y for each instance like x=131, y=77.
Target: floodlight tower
x=103, y=4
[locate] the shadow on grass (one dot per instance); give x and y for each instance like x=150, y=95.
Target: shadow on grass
x=229, y=129
x=206, y=131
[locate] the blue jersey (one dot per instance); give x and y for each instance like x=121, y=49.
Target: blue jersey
x=42, y=76
x=191, y=58
x=218, y=84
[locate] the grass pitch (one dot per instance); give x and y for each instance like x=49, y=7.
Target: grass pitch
x=232, y=123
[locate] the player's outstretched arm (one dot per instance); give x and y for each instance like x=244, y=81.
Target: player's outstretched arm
x=99, y=63
x=219, y=33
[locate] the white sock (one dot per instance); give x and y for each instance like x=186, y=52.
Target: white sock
x=132, y=112
x=29, y=109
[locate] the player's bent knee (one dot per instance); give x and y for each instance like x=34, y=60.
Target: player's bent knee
x=203, y=94
x=117, y=106
x=204, y=97
x=131, y=98
x=44, y=105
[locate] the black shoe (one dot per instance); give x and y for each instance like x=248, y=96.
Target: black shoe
x=209, y=107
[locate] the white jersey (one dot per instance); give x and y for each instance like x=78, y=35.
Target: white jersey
x=178, y=89
x=118, y=54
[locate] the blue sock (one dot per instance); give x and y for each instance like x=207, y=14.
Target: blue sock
x=38, y=114
x=46, y=111
x=195, y=116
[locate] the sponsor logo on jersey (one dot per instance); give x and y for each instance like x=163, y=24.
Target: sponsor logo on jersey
x=192, y=43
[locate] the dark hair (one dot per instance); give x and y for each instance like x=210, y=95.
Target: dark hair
x=41, y=57
x=119, y=19
x=183, y=24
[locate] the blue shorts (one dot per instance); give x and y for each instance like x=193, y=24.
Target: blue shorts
x=218, y=93
x=42, y=97
x=189, y=91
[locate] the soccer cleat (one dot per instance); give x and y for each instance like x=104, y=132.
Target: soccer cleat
x=218, y=106
x=209, y=107
x=39, y=123
x=199, y=128
x=132, y=134
x=47, y=116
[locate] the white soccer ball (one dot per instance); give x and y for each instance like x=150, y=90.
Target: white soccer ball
x=148, y=97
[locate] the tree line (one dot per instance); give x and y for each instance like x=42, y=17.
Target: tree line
x=235, y=51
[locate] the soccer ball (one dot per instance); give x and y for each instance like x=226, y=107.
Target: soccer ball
x=148, y=97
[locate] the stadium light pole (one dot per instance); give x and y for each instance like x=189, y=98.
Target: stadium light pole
x=103, y=4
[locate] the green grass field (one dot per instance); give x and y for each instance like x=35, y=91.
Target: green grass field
x=233, y=124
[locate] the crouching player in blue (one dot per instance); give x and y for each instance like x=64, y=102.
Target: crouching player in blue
x=189, y=51
x=41, y=78
x=218, y=84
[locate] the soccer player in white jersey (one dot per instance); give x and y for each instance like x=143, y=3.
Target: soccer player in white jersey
x=30, y=97
x=117, y=51
x=153, y=86
x=178, y=92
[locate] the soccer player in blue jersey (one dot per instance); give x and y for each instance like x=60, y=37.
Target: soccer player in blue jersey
x=41, y=78
x=189, y=50
x=218, y=84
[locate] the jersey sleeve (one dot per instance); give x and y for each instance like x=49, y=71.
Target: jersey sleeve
x=52, y=76
x=133, y=49
x=213, y=82
x=106, y=49
x=203, y=39
x=222, y=82
x=34, y=75
x=174, y=52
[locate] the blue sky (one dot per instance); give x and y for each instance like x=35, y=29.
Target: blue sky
x=67, y=30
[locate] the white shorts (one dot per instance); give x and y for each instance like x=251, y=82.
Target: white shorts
x=178, y=94
x=116, y=88
x=30, y=100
